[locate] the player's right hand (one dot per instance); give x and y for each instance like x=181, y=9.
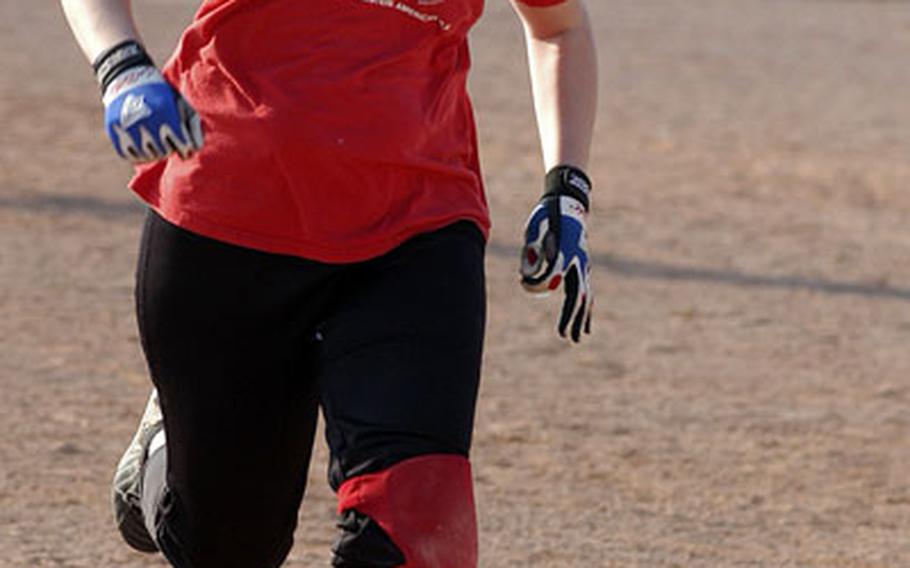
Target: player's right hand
x=146, y=119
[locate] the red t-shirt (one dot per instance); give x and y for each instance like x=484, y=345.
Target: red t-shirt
x=334, y=129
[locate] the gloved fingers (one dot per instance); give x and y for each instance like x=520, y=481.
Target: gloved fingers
x=541, y=259
x=533, y=263
x=192, y=125
x=582, y=322
x=123, y=143
x=173, y=143
x=578, y=320
x=189, y=139
x=575, y=317
x=150, y=147
x=546, y=276
x=572, y=301
x=588, y=317
x=140, y=151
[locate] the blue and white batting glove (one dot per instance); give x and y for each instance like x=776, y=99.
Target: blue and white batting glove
x=146, y=119
x=556, y=251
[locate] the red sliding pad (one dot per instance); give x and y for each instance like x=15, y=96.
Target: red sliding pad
x=425, y=505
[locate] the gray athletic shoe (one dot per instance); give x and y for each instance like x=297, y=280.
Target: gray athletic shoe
x=127, y=486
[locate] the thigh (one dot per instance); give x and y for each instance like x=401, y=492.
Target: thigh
x=400, y=359
x=227, y=332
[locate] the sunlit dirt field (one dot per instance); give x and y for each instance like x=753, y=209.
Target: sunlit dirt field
x=744, y=400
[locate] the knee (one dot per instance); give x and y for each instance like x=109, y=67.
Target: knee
x=418, y=513
x=231, y=541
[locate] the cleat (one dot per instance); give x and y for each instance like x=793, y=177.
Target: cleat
x=127, y=485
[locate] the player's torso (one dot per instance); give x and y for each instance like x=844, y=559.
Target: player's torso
x=341, y=125
x=342, y=62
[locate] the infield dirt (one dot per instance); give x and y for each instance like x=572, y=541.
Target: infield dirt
x=744, y=400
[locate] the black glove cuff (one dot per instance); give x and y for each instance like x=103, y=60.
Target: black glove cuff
x=569, y=181
x=114, y=61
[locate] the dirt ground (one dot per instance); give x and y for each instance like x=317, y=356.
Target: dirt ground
x=744, y=401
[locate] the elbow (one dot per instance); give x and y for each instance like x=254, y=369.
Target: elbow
x=554, y=23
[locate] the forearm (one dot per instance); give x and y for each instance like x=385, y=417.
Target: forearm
x=563, y=67
x=100, y=24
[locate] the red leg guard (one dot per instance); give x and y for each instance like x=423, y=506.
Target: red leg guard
x=425, y=505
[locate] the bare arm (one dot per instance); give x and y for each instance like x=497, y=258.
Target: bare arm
x=100, y=24
x=563, y=65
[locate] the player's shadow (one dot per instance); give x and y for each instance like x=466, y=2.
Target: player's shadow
x=656, y=270
x=617, y=265
x=72, y=204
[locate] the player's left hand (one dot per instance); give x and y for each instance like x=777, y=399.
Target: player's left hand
x=556, y=252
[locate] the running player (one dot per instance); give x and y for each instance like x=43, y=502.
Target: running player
x=321, y=246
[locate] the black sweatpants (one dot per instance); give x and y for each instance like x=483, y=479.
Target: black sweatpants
x=244, y=347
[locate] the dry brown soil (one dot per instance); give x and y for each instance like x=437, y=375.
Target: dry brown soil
x=744, y=401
